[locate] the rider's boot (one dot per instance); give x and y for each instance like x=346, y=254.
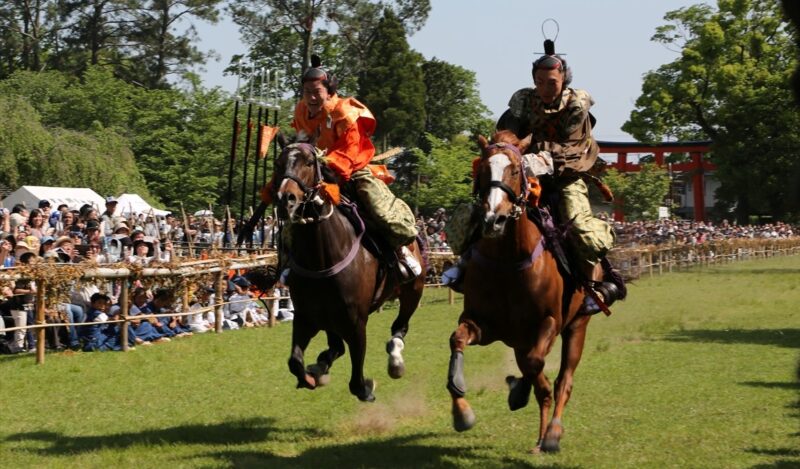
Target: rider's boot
x=454, y=276
x=607, y=291
x=407, y=265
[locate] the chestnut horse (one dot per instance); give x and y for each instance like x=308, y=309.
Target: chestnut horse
x=514, y=292
x=334, y=281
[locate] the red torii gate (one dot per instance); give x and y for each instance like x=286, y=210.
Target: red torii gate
x=697, y=167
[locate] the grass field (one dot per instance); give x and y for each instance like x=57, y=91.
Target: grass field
x=695, y=369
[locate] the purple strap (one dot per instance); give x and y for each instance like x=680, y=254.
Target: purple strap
x=503, y=266
x=339, y=266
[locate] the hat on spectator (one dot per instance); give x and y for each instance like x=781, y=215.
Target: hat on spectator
x=51, y=254
x=61, y=240
x=121, y=226
x=111, y=200
x=48, y=239
x=240, y=281
x=21, y=244
x=44, y=203
x=92, y=225
x=208, y=289
x=62, y=256
x=16, y=220
x=33, y=242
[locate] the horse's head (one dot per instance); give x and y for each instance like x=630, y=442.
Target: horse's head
x=298, y=178
x=500, y=180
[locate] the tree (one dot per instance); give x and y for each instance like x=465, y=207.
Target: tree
x=392, y=85
x=452, y=101
x=35, y=155
x=639, y=194
x=160, y=48
x=730, y=85
x=284, y=34
x=440, y=177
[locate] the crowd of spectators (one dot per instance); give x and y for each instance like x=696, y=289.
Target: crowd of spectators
x=68, y=236
x=643, y=233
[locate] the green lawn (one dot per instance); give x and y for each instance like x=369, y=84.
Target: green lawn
x=695, y=369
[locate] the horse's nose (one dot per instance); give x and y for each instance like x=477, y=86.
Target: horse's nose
x=493, y=224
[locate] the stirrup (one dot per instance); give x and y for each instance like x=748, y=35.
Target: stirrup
x=408, y=265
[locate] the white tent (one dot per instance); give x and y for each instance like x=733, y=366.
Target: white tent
x=133, y=203
x=74, y=197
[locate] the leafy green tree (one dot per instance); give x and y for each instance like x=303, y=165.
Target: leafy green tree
x=730, y=84
x=392, y=85
x=440, y=177
x=639, y=194
x=452, y=101
x=284, y=34
x=161, y=48
x=34, y=155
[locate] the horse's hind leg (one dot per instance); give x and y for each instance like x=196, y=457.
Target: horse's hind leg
x=302, y=333
x=467, y=333
x=326, y=358
x=359, y=386
x=409, y=300
x=572, y=337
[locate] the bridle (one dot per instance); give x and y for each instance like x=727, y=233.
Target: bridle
x=312, y=200
x=517, y=200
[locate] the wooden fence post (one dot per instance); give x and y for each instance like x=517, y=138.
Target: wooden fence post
x=40, y=321
x=219, y=278
x=125, y=303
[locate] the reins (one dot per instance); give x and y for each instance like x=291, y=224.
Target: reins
x=311, y=194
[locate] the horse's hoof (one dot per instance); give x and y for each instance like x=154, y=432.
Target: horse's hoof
x=463, y=416
x=369, y=391
x=397, y=366
x=519, y=392
x=552, y=437
x=307, y=382
x=321, y=377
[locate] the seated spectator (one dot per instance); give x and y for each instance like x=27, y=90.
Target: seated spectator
x=282, y=306
x=162, y=303
x=101, y=336
x=7, y=251
x=144, y=329
x=198, y=322
x=241, y=306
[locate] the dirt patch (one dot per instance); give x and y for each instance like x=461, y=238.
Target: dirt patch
x=381, y=418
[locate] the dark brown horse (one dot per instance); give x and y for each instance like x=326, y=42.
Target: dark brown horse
x=335, y=282
x=513, y=292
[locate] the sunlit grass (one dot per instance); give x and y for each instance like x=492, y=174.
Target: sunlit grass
x=695, y=369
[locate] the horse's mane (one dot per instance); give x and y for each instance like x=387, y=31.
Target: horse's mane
x=505, y=136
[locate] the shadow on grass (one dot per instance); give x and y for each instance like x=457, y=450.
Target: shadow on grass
x=772, y=385
x=781, y=337
x=401, y=451
x=228, y=433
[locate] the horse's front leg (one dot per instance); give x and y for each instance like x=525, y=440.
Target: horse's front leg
x=531, y=363
x=326, y=358
x=360, y=387
x=410, y=294
x=302, y=333
x=572, y=340
x=467, y=333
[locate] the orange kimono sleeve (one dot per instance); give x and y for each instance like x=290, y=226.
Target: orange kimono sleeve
x=352, y=151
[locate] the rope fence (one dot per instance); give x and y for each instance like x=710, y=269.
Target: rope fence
x=634, y=263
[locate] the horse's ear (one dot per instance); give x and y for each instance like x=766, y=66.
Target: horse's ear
x=281, y=139
x=482, y=143
x=525, y=143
